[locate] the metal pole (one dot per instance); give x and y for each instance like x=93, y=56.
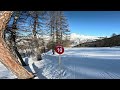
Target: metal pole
x=59, y=60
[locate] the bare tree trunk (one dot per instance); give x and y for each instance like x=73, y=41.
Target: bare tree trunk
x=6, y=57
x=19, y=56
x=13, y=40
x=37, y=51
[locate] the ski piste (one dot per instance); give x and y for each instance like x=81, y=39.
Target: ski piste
x=76, y=63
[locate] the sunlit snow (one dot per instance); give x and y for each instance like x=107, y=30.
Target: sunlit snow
x=76, y=63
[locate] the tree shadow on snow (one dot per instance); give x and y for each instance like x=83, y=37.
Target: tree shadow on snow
x=27, y=67
x=38, y=72
x=26, y=60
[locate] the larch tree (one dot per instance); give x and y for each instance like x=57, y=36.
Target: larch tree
x=58, y=27
x=51, y=28
x=12, y=30
x=37, y=23
x=6, y=57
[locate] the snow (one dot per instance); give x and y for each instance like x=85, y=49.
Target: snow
x=84, y=63
x=79, y=38
x=75, y=36
x=5, y=73
x=76, y=63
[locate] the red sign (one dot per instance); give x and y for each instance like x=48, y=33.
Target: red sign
x=59, y=49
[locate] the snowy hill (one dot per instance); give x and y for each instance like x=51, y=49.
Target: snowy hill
x=74, y=38
x=27, y=40
x=78, y=38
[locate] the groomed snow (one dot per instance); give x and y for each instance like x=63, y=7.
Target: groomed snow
x=84, y=63
x=76, y=63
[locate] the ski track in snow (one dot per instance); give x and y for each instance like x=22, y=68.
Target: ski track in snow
x=88, y=63
x=76, y=63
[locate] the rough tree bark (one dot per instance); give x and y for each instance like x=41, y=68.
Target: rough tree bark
x=6, y=58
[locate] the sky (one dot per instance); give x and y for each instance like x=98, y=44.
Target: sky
x=94, y=23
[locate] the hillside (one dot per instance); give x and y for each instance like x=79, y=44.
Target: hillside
x=106, y=42
x=80, y=38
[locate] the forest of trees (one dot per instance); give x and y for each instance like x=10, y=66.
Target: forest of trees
x=24, y=32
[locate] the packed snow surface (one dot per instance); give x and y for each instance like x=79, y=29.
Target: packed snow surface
x=75, y=63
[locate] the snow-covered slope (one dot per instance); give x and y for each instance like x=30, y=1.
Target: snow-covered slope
x=75, y=38
x=82, y=37
x=84, y=63
x=76, y=63
x=79, y=38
